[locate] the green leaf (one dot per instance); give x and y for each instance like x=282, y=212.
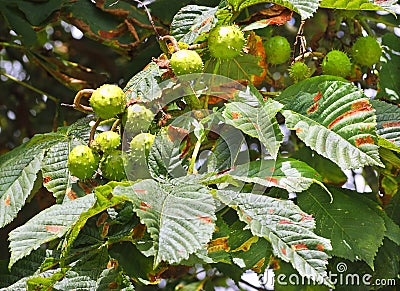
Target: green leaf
x=289, y=174
x=103, y=202
x=49, y=224
x=355, y=229
x=335, y=119
x=19, y=169
x=287, y=227
x=16, y=183
x=36, y=12
x=22, y=283
x=19, y=24
x=329, y=171
x=387, y=261
x=179, y=216
x=227, y=148
x=388, y=121
x=242, y=67
x=358, y=5
x=191, y=21
x=145, y=85
x=305, y=8
x=257, y=122
x=165, y=157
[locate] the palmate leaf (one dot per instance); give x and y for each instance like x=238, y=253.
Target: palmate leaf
x=335, y=119
x=243, y=67
x=49, y=224
x=289, y=174
x=179, y=216
x=355, y=229
x=287, y=227
x=388, y=121
x=191, y=21
x=257, y=122
x=305, y=8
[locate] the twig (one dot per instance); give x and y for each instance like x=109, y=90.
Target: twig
x=77, y=101
x=150, y=18
x=93, y=130
x=172, y=40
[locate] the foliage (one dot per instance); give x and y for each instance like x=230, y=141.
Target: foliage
x=244, y=167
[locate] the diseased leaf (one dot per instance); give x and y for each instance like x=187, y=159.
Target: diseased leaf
x=49, y=224
x=335, y=119
x=356, y=231
x=289, y=174
x=19, y=169
x=191, y=21
x=287, y=227
x=257, y=122
x=179, y=216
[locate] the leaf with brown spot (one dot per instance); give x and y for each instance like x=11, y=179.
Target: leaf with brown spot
x=340, y=125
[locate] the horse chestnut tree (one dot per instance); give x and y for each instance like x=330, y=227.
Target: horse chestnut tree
x=204, y=143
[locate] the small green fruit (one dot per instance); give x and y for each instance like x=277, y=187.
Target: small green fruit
x=299, y=71
x=277, y=50
x=106, y=141
x=83, y=162
x=226, y=42
x=186, y=62
x=366, y=51
x=113, y=166
x=137, y=118
x=140, y=146
x=108, y=101
x=336, y=63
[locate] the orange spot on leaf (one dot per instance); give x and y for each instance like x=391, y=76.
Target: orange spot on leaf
x=205, y=219
x=320, y=247
x=138, y=231
x=364, y=140
x=284, y=221
x=391, y=124
x=318, y=96
x=102, y=218
x=71, y=194
x=283, y=251
x=356, y=108
x=312, y=108
x=46, y=179
x=236, y=115
x=272, y=180
x=298, y=247
x=7, y=202
x=257, y=266
x=218, y=244
x=54, y=228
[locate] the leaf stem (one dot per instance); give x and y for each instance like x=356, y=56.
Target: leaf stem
x=194, y=156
